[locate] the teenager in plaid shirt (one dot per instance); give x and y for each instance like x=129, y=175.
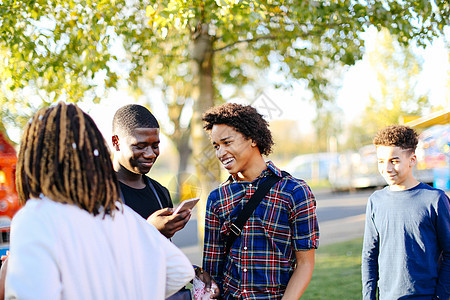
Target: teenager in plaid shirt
x=273, y=258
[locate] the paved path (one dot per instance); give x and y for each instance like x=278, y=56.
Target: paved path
x=341, y=216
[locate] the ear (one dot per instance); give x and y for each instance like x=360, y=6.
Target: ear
x=254, y=143
x=412, y=160
x=115, y=142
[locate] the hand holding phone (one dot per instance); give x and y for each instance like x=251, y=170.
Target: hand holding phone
x=186, y=204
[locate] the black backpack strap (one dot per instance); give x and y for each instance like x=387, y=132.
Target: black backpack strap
x=249, y=208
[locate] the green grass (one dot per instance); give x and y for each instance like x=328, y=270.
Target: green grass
x=337, y=273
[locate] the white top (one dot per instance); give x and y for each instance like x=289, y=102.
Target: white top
x=59, y=251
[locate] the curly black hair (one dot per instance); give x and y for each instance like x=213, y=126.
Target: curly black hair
x=244, y=119
x=397, y=135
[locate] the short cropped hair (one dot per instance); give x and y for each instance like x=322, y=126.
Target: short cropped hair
x=398, y=136
x=132, y=116
x=244, y=119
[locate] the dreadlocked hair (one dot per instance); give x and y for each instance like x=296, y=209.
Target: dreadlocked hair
x=64, y=156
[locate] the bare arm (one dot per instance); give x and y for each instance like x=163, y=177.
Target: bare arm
x=302, y=275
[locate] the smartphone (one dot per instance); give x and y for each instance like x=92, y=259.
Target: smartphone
x=186, y=204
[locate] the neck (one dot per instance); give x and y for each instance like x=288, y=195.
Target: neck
x=254, y=171
x=408, y=184
x=129, y=178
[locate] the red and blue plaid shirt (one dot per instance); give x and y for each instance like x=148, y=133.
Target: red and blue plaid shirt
x=262, y=259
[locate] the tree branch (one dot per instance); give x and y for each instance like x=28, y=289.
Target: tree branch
x=284, y=23
x=265, y=37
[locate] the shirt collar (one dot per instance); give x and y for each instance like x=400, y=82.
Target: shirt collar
x=271, y=168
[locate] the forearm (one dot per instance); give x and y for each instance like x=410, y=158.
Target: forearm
x=369, y=281
x=179, y=270
x=370, y=252
x=369, y=272
x=213, y=247
x=443, y=283
x=301, y=276
x=443, y=224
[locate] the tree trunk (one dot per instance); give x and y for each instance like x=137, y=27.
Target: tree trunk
x=183, y=178
x=207, y=166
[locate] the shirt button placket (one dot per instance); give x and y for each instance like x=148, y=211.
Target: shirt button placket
x=245, y=258
x=245, y=266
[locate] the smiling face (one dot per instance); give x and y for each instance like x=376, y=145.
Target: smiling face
x=236, y=153
x=395, y=165
x=137, y=152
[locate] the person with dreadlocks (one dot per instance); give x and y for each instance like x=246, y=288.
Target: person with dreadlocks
x=73, y=238
x=269, y=254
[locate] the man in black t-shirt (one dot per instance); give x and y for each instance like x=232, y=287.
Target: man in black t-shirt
x=136, y=148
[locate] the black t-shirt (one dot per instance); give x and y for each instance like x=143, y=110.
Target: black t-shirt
x=143, y=201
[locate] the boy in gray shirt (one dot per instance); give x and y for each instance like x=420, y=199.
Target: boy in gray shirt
x=406, y=251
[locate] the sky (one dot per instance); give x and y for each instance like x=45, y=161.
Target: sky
x=435, y=77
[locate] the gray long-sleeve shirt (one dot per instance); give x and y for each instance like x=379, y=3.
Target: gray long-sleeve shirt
x=406, y=251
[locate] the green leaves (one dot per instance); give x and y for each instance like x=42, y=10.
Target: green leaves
x=59, y=47
x=393, y=93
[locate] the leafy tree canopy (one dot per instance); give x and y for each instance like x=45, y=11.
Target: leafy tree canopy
x=74, y=49
x=393, y=93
